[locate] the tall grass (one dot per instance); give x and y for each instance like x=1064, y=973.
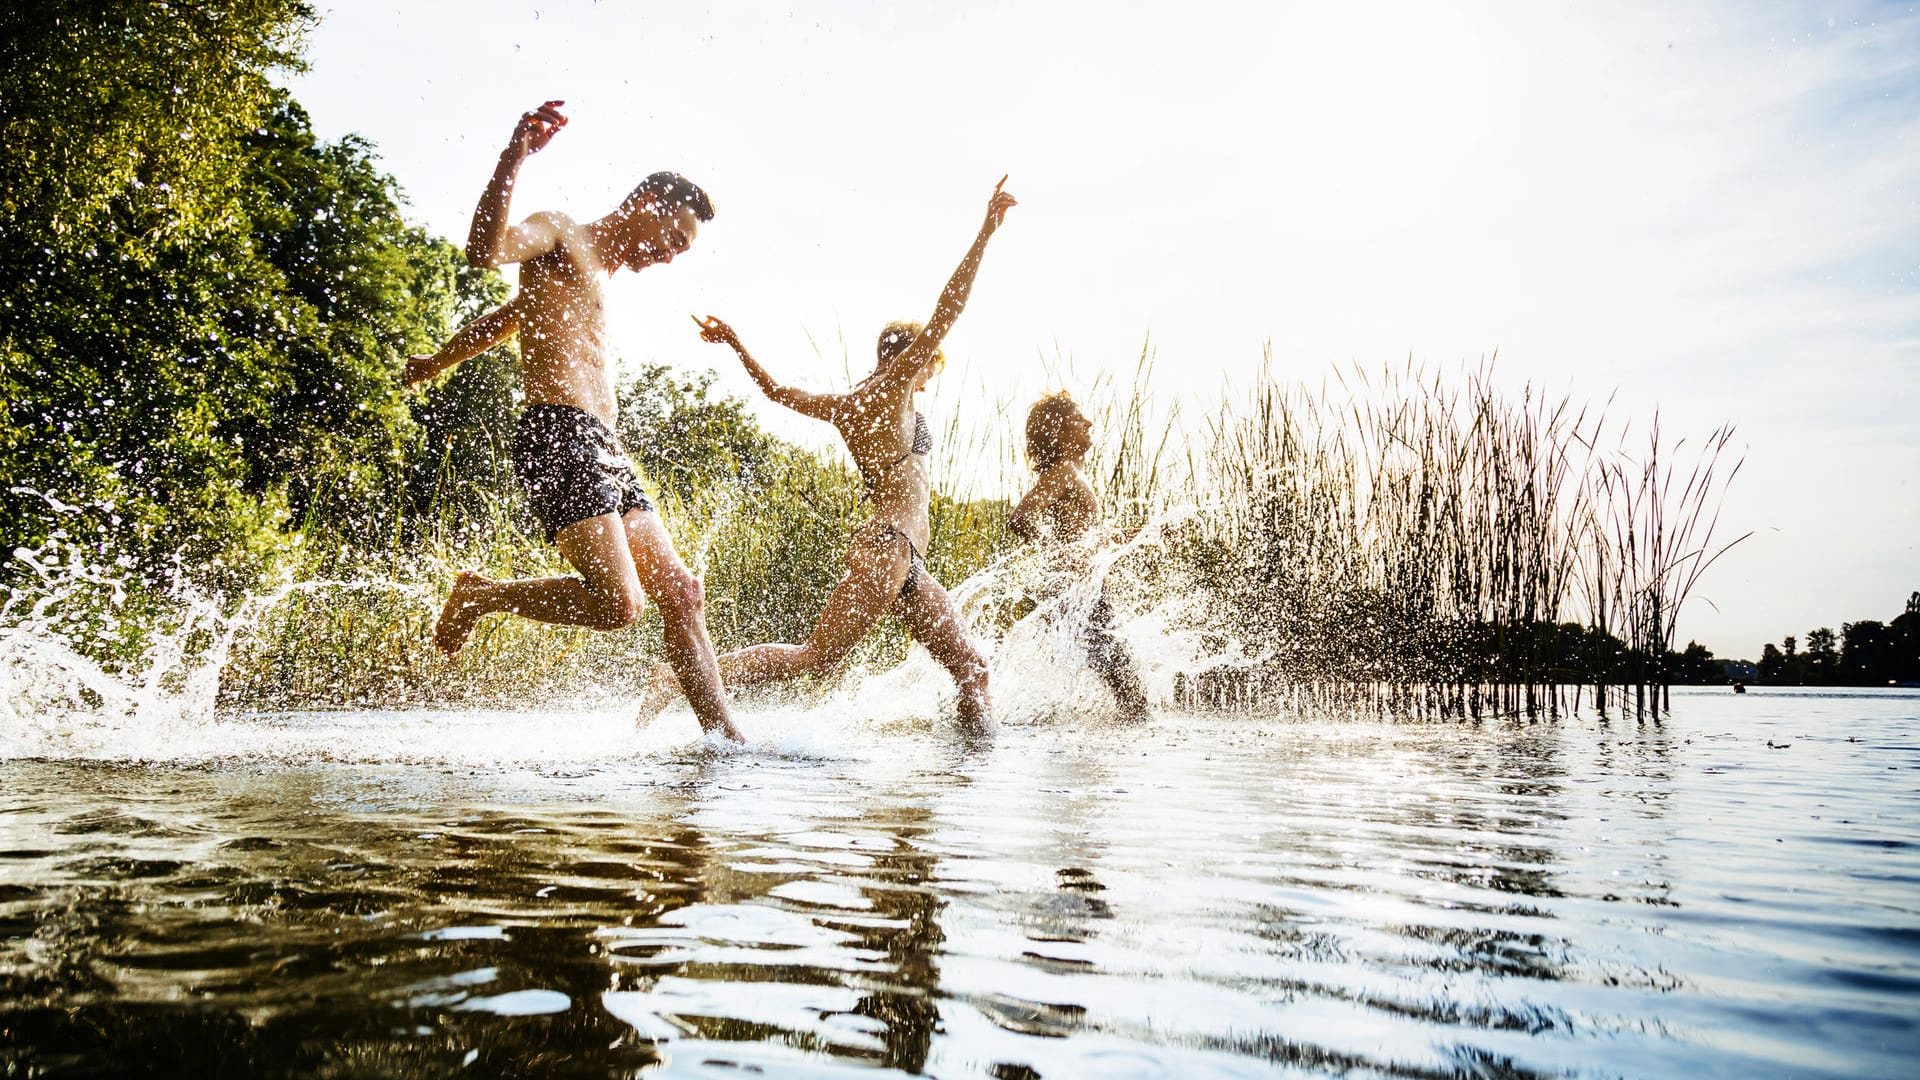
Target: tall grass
x=1401, y=541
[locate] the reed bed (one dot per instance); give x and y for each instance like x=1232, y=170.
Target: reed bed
x=1400, y=542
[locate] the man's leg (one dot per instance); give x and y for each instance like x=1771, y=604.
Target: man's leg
x=606, y=596
x=683, y=626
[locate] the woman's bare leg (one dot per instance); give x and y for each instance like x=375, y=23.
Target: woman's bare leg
x=932, y=620
x=865, y=592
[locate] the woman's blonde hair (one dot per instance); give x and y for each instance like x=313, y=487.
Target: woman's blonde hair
x=1044, y=423
x=898, y=335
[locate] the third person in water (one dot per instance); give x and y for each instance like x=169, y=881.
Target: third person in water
x=1058, y=513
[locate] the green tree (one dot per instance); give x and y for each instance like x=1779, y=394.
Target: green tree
x=1905, y=643
x=461, y=475
x=1823, y=658
x=201, y=305
x=685, y=439
x=123, y=254
x=1695, y=666
x=358, y=289
x=122, y=117
x=1772, y=668
x=1795, y=671
x=1866, y=654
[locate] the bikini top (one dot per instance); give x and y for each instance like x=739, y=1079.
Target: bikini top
x=922, y=444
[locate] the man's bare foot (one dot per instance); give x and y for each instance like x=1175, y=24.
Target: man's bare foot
x=464, y=606
x=662, y=688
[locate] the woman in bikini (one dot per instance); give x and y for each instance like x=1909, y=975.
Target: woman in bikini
x=1060, y=511
x=886, y=572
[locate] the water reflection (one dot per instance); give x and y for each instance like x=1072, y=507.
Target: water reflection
x=1194, y=897
x=907, y=932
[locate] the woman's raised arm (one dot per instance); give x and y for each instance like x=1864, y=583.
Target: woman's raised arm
x=818, y=406
x=953, y=298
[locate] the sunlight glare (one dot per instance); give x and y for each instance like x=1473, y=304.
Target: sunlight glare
x=1375, y=122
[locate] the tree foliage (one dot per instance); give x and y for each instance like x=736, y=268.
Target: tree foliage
x=200, y=304
x=122, y=249
x=684, y=438
x=1865, y=653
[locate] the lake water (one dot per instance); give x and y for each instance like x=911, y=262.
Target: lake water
x=548, y=893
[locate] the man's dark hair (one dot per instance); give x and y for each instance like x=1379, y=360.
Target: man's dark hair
x=672, y=190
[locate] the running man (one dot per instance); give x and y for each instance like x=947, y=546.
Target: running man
x=578, y=482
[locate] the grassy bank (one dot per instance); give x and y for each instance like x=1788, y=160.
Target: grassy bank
x=1412, y=542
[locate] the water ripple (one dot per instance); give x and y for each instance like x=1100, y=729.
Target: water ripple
x=1196, y=897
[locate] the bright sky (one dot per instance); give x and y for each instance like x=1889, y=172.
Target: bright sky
x=1697, y=206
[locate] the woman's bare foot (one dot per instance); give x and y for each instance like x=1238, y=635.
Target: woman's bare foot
x=662, y=688
x=975, y=713
x=464, y=606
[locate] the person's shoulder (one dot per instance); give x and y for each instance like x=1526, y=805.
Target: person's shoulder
x=555, y=218
x=565, y=231
x=877, y=400
x=570, y=242
x=1037, y=488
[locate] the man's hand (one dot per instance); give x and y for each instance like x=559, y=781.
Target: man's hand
x=537, y=128
x=998, y=206
x=715, y=331
x=419, y=369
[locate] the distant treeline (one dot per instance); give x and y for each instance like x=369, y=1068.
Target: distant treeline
x=1864, y=653
x=201, y=305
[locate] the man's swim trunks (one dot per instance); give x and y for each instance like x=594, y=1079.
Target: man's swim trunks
x=571, y=467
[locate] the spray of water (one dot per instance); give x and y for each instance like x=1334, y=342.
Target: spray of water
x=163, y=698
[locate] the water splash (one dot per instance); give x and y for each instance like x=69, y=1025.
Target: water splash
x=193, y=675
x=58, y=695
x=94, y=664
x=1032, y=612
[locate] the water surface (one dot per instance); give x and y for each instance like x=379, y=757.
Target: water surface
x=546, y=893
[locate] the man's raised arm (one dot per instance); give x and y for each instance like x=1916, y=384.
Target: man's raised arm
x=491, y=241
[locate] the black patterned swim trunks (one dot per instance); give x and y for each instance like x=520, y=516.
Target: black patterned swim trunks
x=572, y=468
